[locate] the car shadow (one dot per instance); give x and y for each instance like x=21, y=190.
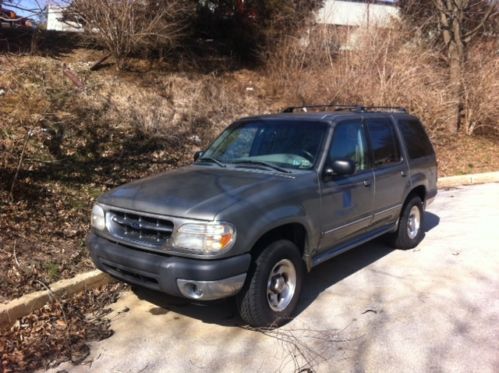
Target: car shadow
x=329, y=273
x=221, y=312
x=322, y=277
x=430, y=221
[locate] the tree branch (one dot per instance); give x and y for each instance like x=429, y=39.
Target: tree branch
x=470, y=34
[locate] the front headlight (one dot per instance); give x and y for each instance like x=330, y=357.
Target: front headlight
x=98, y=218
x=204, y=238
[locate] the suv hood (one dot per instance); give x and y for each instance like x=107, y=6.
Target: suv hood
x=196, y=192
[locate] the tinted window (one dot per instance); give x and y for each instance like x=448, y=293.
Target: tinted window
x=383, y=141
x=349, y=143
x=417, y=142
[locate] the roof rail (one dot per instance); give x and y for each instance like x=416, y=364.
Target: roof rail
x=397, y=109
x=335, y=107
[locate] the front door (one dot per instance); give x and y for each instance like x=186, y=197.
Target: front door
x=347, y=201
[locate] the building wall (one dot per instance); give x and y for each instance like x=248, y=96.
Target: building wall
x=356, y=13
x=54, y=16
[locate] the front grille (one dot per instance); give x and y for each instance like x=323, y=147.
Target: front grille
x=138, y=229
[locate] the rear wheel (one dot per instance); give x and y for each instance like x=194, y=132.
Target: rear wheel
x=273, y=288
x=410, y=229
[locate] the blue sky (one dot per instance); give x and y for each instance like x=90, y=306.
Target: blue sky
x=28, y=4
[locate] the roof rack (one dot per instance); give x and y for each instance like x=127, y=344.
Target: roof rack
x=354, y=108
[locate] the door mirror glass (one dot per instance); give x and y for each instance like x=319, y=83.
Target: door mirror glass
x=343, y=167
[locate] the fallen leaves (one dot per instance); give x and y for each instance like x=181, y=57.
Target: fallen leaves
x=59, y=331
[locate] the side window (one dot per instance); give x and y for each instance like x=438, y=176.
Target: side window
x=384, y=143
x=416, y=141
x=349, y=142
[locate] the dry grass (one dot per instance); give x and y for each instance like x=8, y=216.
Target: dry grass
x=462, y=154
x=482, y=90
x=385, y=67
x=393, y=67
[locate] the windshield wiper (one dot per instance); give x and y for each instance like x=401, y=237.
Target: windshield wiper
x=213, y=160
x=263, y=163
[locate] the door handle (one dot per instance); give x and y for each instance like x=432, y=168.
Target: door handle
x=366, y=183
x=403, y=173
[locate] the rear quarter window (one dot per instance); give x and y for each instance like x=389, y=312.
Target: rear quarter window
x=416, y=140
x=384, y=142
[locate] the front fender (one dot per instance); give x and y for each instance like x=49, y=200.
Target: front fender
x=281, y=216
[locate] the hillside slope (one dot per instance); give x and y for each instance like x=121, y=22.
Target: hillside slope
x=68, y=134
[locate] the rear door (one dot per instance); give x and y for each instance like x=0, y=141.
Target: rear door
x=346, y=201
x=390, y=170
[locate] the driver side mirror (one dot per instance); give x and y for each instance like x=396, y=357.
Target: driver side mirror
x=198, y=154
x=340, y=167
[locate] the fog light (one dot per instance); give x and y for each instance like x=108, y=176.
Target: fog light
x=190, y=289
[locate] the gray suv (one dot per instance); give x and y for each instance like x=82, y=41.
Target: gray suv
x=272, y=197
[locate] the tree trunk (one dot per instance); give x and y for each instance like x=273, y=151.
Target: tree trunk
x=456, y=87
x=451, y=18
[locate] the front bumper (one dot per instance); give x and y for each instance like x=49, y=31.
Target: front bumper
x=190, y=278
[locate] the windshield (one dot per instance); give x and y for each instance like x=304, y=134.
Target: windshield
x=288, y=145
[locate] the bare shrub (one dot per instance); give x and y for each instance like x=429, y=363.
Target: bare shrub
x=126, y=27
x=481, y=91
x=375, y=67
x=454, y=26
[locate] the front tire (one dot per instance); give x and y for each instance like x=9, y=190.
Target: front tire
x=273, y=288
x=410, y=230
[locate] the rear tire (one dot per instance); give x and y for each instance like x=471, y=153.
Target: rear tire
x=410, y=231
x=273, y=287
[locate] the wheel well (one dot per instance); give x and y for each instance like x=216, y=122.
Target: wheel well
x=419, y=191
x=293, y=232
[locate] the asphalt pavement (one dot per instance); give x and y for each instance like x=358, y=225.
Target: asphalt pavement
x=434, y=308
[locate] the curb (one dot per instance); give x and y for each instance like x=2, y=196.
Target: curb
x=455, y=181
x=17, y=308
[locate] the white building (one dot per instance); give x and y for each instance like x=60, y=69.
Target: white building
x=54, y=20
x=357, y=13
x=352, y=19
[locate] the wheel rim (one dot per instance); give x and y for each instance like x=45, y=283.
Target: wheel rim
x=414, y=222
x=281, y=285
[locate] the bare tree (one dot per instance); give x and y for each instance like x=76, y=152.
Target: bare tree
x=456, y=33
x=456, y=23
x=23, y=12
x=128, y=26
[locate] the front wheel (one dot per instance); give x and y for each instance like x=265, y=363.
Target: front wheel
x=273, y=289
x=410, y=229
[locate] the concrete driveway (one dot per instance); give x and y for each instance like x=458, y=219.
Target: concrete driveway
x=433, y=308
